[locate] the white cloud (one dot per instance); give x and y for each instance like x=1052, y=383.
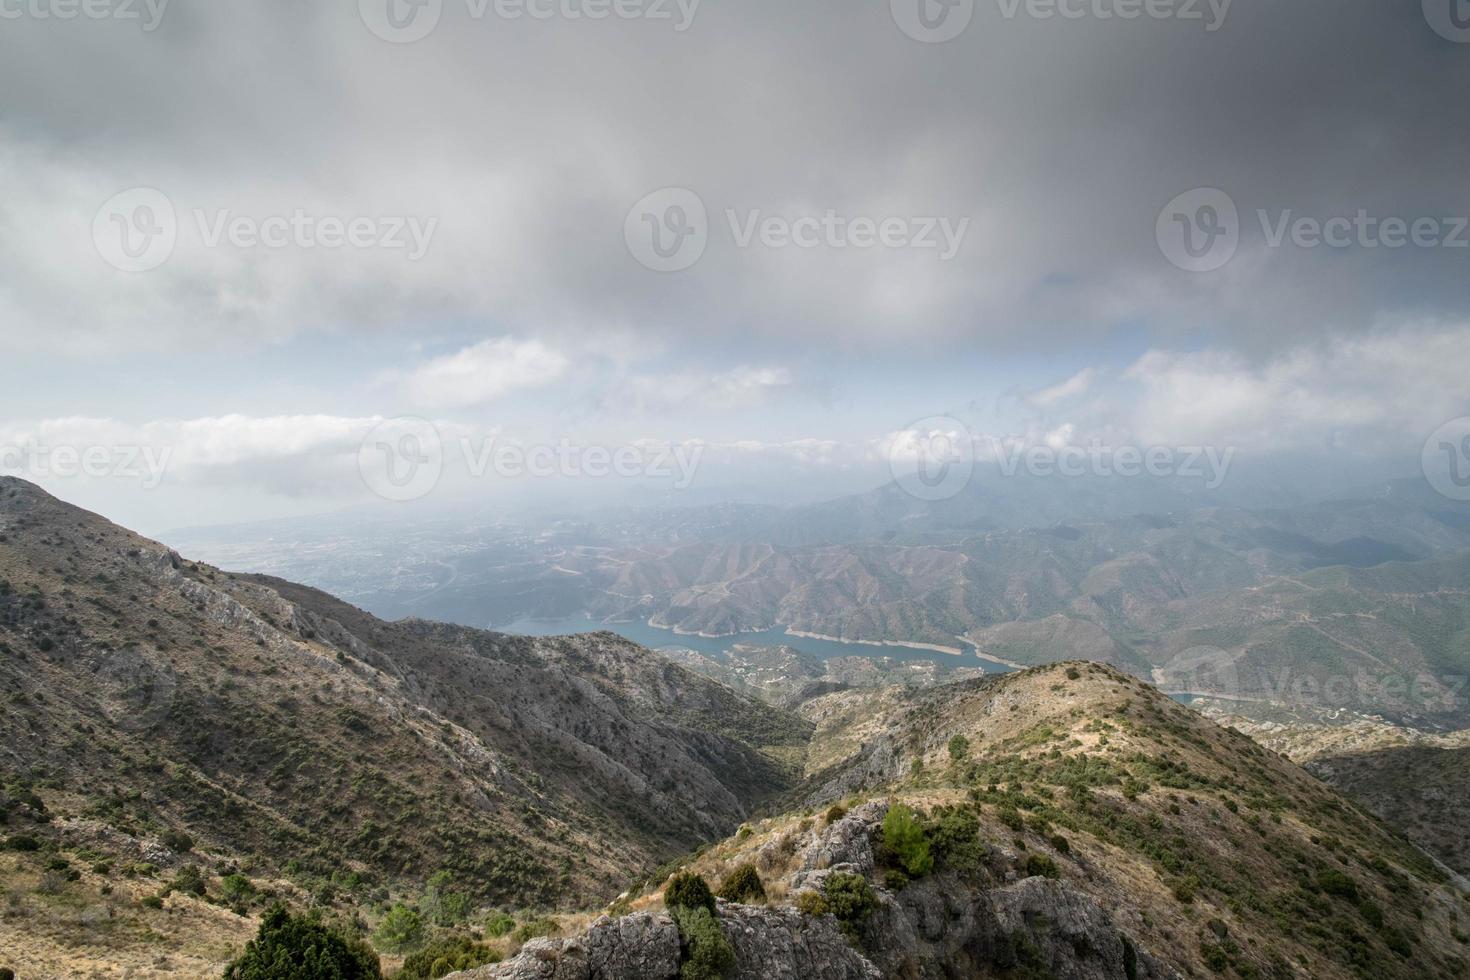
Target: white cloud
x=739, y=387
x=286, y=455
x=1383, y=392
x=1075, y=386
x=485, y=372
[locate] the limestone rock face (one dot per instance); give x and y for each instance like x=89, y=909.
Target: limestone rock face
x=770, y=944
x=940, y=926
x=845, y=845
x=638, y=945
x=1070, y=934
x=779, y=943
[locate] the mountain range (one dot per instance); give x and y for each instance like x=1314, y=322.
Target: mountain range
x=185, y=747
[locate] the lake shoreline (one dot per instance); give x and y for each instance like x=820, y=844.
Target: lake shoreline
x=937, y=648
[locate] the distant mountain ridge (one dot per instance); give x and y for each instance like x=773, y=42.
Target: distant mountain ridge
x=1268, y=589
x=283, y=726
x=183, y=744
x=1065, y=821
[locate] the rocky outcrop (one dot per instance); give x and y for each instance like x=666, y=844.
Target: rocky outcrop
x=937, y=928
x=638, y=945
x=1068, y=934
x=845, y=845
x=769, y=943
x=779, y=943
x=940, y=926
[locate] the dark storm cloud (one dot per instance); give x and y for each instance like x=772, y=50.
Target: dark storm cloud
x=1058, y=139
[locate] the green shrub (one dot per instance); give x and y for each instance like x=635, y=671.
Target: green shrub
x=811, y=903
x=850, y=900
x=22, y=842
x=288, y=947
x=446, y=955
x=743, y=885
x=903, y=835
x=189, y=880
x=1041, y=866
x=499, y=924
x=535, y=928
x=177, y=841
x=1215, y=957
x=1185, y=889
x=6, y=973
x=401, y=931
x=441, y=905
x=836, y=813
x=236, y=888
x=690, y=891
x=959, y=749
x=1337, y=884
x=954, y=839
x=708, y=954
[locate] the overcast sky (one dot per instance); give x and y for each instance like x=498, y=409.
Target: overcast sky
x=784, y=232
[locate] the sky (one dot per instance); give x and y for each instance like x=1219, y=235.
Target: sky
x=241, y=244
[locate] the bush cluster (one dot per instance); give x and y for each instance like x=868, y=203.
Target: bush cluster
x=289, y=947
x=743, y=885
x=846, y=897
x=708, y=954
x=690, y=891
x=903, y=836
x=444, y=956
x=401, y=931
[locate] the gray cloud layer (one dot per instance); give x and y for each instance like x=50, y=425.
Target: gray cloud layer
x=529, y=140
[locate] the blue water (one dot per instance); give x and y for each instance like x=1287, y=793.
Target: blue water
x=717, y=646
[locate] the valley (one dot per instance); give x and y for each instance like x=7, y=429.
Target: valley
x=187, y=746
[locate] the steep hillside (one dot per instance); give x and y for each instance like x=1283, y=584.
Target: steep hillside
x=1417, y=781
x=1074, y=823
x=148, y=696
x=789, y=678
